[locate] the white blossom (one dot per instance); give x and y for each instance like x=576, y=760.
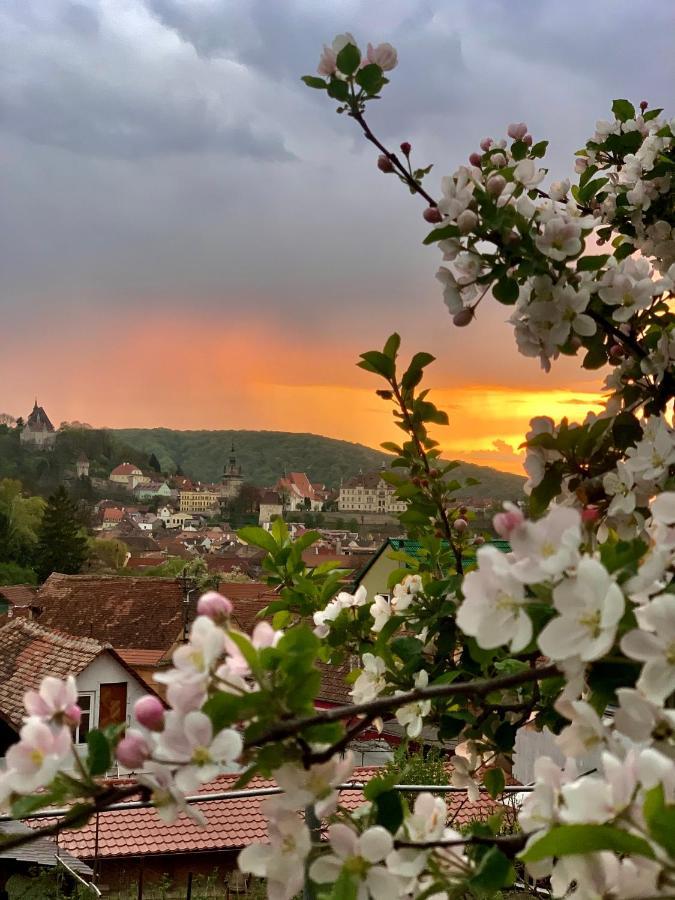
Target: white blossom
x=493, y=610
x=654, y=644
x=590, y=606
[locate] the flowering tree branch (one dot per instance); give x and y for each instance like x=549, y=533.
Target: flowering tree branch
x=477, y=689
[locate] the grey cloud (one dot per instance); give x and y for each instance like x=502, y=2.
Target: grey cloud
x=145, y=147
x=87, y=87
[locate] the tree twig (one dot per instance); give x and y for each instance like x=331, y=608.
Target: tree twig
x=477, y=688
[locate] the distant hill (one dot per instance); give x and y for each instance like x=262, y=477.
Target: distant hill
x=265, y=455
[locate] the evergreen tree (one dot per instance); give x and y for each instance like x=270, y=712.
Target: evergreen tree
x=62, y=546
x=154, y=463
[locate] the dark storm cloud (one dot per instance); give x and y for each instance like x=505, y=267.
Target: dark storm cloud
x=158, y=153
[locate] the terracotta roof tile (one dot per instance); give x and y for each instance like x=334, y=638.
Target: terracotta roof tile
x=231, y=823
x=28, y=652
x=135, y=613
x=18, y=594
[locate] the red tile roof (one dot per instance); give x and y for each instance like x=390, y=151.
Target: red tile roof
x=231, y=824
x=140, y=657
x=28, y=652
x=18, y=594
x=139, y=613
x=126, y=469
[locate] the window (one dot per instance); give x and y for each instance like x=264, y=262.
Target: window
x=86, y=704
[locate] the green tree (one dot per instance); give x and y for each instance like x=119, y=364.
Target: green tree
x=154, y=463
x=62, y=546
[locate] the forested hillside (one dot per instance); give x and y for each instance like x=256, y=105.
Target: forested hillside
x=265, y=455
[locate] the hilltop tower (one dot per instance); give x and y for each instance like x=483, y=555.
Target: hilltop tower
x=82, y=465
x=232, y=479
x=38, y=429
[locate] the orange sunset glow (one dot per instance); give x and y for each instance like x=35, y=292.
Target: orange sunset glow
x=252, y=376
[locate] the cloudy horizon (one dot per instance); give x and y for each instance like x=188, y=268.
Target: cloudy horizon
x=193, y=239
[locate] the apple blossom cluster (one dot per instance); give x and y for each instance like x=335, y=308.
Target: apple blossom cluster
x=356, y=849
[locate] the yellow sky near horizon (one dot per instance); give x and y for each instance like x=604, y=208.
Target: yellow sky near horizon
x=186, y=374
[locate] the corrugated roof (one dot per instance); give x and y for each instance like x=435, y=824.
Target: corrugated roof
x=231, y=824
x=41, y=852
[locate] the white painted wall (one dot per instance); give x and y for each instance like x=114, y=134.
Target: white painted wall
x=105, y=670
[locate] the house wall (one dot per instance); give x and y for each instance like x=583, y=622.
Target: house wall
x=119, y=876
x=105, y=670
x=375, y=579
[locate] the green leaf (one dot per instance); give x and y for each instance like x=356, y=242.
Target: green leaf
x=338, y=90
x=389, y=810
x=652, y=114
x=258, y=537
x=378, y=785
x=596, y=356
x=495, y=871
x=494, y=782
x=626, y=430
x=377, y=362
x=348, y=59
x=623, y=250
x=314, y=82
x=371, y=78
x=519, y=150
x=567, y=840
x=538, y=150
x=506, y=290
x=222, y=709
x=99, y=757
x=660, y=819
x=623, y=110
x=345, y=887
x=391, y=346
x=548, y=488
x=441, y=234
x=591, y=263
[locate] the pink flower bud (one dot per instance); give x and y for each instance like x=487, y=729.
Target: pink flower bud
x=133, y=750
x=327, y=61
x=580, y=164
x=463, y=317
x=405, y=148
x=460, y=525
x=495, y=185
x=214, y=605
x=467, y=221
x=527, y=140
x=72, y=714
x=384, y=164
x=498, y=160
x=485, y=144
x=384, y=56
x=590, y=514
x=475, y=159
x=504, y=523
x=616, y=351
x=432, y=214
x=479, y=540
x=643, y=105
x=149, y=712
x=517, y=130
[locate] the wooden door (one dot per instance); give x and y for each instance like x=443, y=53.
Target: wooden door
x=113, y=706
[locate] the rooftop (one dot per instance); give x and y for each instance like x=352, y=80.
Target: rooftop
x=139, y=613
x=231, y=823
x=28, y=652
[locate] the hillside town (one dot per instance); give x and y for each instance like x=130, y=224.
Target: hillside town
x=116, y=622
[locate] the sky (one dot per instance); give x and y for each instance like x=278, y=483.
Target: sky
x=191, y=238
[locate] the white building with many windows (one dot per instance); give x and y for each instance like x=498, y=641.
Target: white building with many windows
x=369, y=493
